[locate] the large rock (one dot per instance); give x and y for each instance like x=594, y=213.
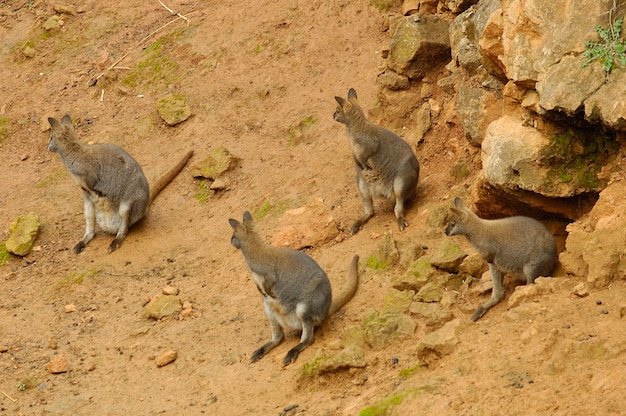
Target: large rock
x=439, y=343
x=465, y=33
x=538, y=33
x=477, y=108
x=448, y=256
x=381, y=328
x=557, y=164
x=594, y=247
x=416, y=276
x=213, y=166
x=566, y=85
x=421, y=42
x=23, y=232
x=608, y=104
x=173, y=109
x=350, y=357
x=308, y=226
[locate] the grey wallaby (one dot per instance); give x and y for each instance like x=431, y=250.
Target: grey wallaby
x=116, y=193
x=296, y=291
x=520, y=246
x=385, y=164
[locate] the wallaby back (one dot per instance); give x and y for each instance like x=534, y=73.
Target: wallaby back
x=520, y=246
x=296, y=291
x=385, y=164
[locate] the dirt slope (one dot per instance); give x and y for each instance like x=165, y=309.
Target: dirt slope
x=251, y=71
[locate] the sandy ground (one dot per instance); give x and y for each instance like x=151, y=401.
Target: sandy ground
x=250, y=71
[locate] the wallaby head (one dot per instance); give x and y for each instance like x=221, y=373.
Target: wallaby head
x=63, y=134
x=348, y=110
x=242, y=231
x=460, y=218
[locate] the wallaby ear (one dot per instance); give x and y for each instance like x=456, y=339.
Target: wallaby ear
x=67, y=120
x=457, y=212
x=233, y=223
x=340, y=101
x=54, y=124
x=352, y=94
x=247, y=217
x=458, y=202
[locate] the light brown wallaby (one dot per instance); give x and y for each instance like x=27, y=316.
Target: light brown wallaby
x=296, y=291
x=385, y=164
x=116, y=193
x=520, y=246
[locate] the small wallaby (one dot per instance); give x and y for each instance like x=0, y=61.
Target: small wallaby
x=296, y=291
x=116, y=193
x=385, y=164
x=520, y=246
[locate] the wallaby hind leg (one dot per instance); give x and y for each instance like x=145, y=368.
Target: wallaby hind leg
x=497, y=293
x=305, y=340
x=368, y=205
x=277, y=337
x=400, y=194
x=122, y=231
x=530, y=273
x=90, y=224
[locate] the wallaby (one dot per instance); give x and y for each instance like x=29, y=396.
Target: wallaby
x=385, y=164
x=520, y=246
x=116, y=193
x=296, y=291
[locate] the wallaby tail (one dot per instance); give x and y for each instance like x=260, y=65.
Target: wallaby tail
x=349, y=289
x=167, y=177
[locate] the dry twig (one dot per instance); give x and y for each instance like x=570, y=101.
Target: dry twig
x=9, y=397
x=173, y=12
x=93, y=81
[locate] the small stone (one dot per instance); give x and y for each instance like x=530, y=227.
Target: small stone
x=219, y=184
x=63, y=9
x=24, y=230
x=166, y=357
x=598, y=302
x=70, y=308
x=580, y=290
x=58, y=364
x=173, y=109
x=3, y=348
x=170, y=290
x=52, y=344
x=29, y=52
x=605, y=312
x=161, y=306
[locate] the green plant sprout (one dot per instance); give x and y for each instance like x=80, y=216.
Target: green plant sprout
x=610, y=50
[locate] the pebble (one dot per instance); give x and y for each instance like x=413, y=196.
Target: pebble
x=70, y=308
x=580, y=290
x=170, y=290
x=166, y=357
x=58, y=364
